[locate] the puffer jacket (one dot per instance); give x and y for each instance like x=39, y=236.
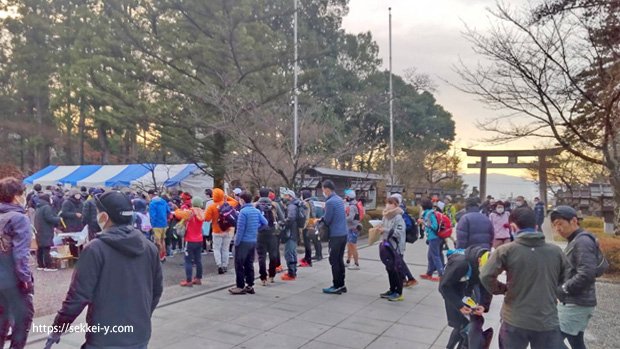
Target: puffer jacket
x=582, y=257
x=474, y=229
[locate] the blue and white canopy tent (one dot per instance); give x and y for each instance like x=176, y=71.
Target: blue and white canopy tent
x=187, y=177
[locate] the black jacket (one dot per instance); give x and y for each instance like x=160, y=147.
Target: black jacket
x=70, y=208
x=44, y=222
x=460, y=279
x=119, y=278
x=89, y=216
x=582, y=257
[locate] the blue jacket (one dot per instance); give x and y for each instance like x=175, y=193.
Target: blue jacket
x=335, y=216
x=250, y=220
x=539, y=211
x=431, y=226
x=474, y=229
x=159, y=211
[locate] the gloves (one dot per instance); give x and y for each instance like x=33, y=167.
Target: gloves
x=52, y=339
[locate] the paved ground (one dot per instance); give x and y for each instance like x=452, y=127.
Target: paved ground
x=297, y=315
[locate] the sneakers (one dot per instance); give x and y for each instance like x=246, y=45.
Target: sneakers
x=220, y=270
x=271, y=280
x=435, y=278
x=263, y=282
x=50, y=269
x=426, y=276
x=354, y=267
x=287, y=277
x=347, y=264
x=410, y=283
x=186, y=283
x=236, y=290
x=386, y=295
x=395, y=297
x=225, y=269
x=343, y=289
x=304, y=264
x=249, y=290
x=40, y=269
x=333, y=290
x=197, y=281
x=279, y=269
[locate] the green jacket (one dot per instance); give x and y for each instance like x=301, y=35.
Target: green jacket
x=534, y=271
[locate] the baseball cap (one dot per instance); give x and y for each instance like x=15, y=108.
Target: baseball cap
x=563, y=212
x=237, y=191
x=117, y=205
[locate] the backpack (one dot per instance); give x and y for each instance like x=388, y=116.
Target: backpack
x=181, y=228
x=601, y=262
x=267, y=210
x=411, y=229
x=302, y=217
x=227, y=216
x=361, y=211
x=388, y=254
x=445, y=225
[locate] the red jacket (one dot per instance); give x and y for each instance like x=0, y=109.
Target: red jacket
x=195, y=218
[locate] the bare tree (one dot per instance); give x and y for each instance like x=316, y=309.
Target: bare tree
x=557, y=78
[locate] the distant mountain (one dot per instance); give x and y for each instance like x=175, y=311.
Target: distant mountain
x=503, y=186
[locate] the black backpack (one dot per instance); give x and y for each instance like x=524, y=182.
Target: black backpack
x=302, y=216
x=267, y=210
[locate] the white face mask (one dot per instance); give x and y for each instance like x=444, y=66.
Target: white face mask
x=22, y=201
x=101, y=223
x=77, y=196
x=500, y=210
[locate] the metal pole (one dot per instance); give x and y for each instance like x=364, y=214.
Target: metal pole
x=295, y=92
x=391, y=110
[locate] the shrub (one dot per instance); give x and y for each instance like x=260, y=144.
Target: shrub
x=611, y=249
x=591, y=223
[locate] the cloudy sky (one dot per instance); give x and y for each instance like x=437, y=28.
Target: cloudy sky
x=427, y=35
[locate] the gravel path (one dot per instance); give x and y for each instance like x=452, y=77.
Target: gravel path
x=602, y=332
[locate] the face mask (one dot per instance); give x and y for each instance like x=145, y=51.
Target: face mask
x=500, y=210
x=22, y=201
x=77, y=196
x=519, y=203
x=101, y=222
x=325, y=194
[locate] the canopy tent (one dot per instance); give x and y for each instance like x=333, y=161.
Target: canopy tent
x=187, y=177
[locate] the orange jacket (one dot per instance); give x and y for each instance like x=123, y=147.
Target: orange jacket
x=212, y=213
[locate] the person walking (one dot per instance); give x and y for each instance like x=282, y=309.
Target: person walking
x=44, y=222
x=267, y=240
x=474, y=228
x=249, y=222
x=393, y=246
x=577, y=294
x=16, y=281
x=431, y=228
x=539, y=210
x=159, y=211
x=353, y=224
x=336, y=223
x=119, y=278
x=193, y=218
x=291, y=234
x=501, y=226
x=221, y=238
x=534, y=270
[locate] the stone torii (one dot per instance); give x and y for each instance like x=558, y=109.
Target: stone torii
x=513, y=156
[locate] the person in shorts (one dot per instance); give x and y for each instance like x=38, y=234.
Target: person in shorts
x=353, y=225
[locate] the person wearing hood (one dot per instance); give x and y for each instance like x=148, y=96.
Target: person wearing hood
x=159, y=212
x=44, y=222
x=290, y=226
x=193, y=217
x=394, y=232
x=353, y=224
x=474, y=228
x=221, y=239
x=16, y=282
x=119, y=278
x=534, y=270
x=89, y=214
x=71, y=211
x=501, y=226
x=461, y=280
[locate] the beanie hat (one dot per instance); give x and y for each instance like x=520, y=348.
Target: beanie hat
x=350, y=193
x=397, y=196
x=197, y=202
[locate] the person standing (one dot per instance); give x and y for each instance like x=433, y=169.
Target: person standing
x=474, y=228
x=291, y=234
x=267, y=240
x=353, y=224
x=193, y=218
x=207, y=238
x=577, y=294
x=539, y=210
x=394, y=235
x=159, y=212
x=89, y=215
x=71, y=212
x=44, y=222
x=308, y=230
x=414, y=227
x=501, y=226
x=249, y=222
x=16, y=282
x=119, y=278
x=431, y=228
x=336, y=223
x=221, y=238
x=534, y=270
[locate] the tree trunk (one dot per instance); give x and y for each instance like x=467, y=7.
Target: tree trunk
x=615, y=184
x=218, y=159
x=104, y=144
x=81, y=131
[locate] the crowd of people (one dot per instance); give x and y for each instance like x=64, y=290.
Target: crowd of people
x=549, y=293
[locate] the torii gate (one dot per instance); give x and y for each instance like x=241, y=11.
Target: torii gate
x=513, y=157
